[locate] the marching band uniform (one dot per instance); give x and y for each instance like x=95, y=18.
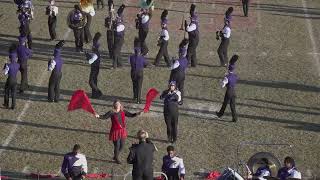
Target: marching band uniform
x=118, y=42
x=52, y=12
x=109, y=23
x=55, y=65
x=87, y=33
x=285, y=173
x=262, y=172
x=94, y=60
x=24, y=29
x=230, y=80
x=172, y=167
x=137, y=63
x=74, y=165
x=228, y=15
x=223, y=47
x=245, y=5
x=171, y=111
x=118, y=132
x=78, y=31
x=178, y=69
x=23, y=55
x=163, y=43
x=193, y=33
x=11, y=70
x=144, y=20
x=100, y=2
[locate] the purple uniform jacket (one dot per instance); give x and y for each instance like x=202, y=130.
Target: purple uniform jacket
x=183, y=63
x=23, y=53
x=13, y=65
x=232, y=80
x=137, y=63
x=58, y=60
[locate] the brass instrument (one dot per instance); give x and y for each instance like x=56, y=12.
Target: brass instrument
x=86, y=6
x=256, y=161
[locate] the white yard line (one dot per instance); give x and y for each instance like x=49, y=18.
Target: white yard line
x=19, y=119
x=258, y=14
x=313, y=42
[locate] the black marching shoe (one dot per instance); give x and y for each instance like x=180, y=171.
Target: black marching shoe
x=218, y=114
x=234, y=120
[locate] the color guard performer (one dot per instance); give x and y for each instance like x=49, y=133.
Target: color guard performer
x=94, y=60
x=52, y=12
x=142, y=24
x=171, y=98
x=55, y=65
x=137, y=63
x=163, y=41
x=225, y=40
x=118, y=38
x=75, y=22
x=109, y=24
x=172, y=165
x=193, y=33
x=178, y=69
x=74, y=165
x=230, y=81
x=11, y=69
x=118, y=132
x=23, y=55
x=245, y=7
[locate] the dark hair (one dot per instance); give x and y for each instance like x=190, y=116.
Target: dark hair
x=76, y=147
x=229, y=11
x=77, y=7
x=12, y=48
x=96, y=37
x=170, y=148
x=290, y=160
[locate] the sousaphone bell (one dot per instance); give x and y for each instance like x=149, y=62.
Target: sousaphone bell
x=257, y=160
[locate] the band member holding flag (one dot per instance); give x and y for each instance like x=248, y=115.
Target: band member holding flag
x=163, y=40
x=55, y=65
x=11, y=69
x=118, y=38
x=178, y=69
x=171, y=98
x=138, y=63
x=23, y=55
x=230, y=81
x=52, y=12
x=193, y=33
x=118, y=132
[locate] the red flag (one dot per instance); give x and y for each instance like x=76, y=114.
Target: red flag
x=213, y=175
x=98, y=176
x=79, y=100
x=152, y=93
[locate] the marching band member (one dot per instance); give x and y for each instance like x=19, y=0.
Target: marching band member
x=24, y=29
x=55, y=65
x=230, y=81
x=262, y=171
x=11, y=69
x=225, y=40
x=228, y=15
x=23, y=55
x=172, y=165
x=74, y=165
x=76, y=18
x=143, y=27
x=137, y=63
x=289, y=170
x=118, y=38
x=193, y=33
x=118, y=132
x=89, y=13
x=52, y=12
x=245, y=5
x=100, y=2
x=109, y=23
x=171, y=98
x=163, y=40
x=178, y=69
x=94, y=60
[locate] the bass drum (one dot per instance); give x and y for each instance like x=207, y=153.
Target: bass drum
x=76, y=25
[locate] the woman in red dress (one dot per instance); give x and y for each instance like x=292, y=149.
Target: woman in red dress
x=118, y=132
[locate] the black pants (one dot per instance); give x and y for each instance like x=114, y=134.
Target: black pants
x=87, y=33
x=137, y=79
x=93, y=82
x=143, y=33
x=223, y=51
x=192, y=50
x=25, y=31
x=10, y=88
x=24, y=76
x=52, y=22
x=100, y=2
x=144, y=176
x=173, y=176
x=163, y=52
x=78, y=36
x=54, y=86
x=110, y=42
x=245, y=7
x=171, y=115
x=117, y=148
x=229, y=97
x=118, y=42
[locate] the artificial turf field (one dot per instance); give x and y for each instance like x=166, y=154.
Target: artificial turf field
x=277, y=95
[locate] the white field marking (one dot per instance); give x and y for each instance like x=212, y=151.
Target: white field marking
x=19, y=119
x=310, y=29
x=258, y=14
x=25, y=169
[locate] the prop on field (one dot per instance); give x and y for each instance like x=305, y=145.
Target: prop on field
x=98, y=176
x=80, y=100
x=214, y=175
x=42, y=176
x=152, y=93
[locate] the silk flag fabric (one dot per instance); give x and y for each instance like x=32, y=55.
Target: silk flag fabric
x=152, y=93
x=80, y=100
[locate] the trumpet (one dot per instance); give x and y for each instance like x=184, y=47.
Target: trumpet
x=86, y=6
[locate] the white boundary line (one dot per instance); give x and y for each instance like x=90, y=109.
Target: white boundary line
x=310, y=30
x=19, y=119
